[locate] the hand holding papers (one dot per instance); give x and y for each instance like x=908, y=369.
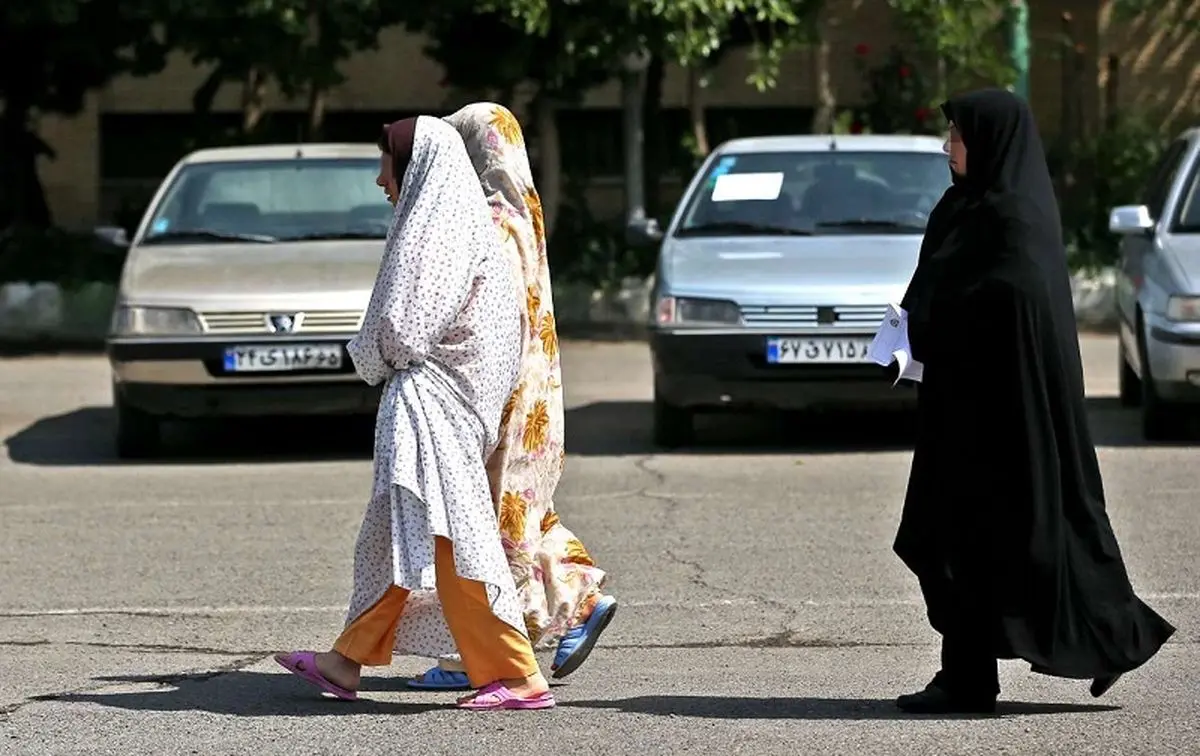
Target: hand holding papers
x=891, y=345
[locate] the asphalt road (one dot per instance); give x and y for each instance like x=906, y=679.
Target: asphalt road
x=762, y=608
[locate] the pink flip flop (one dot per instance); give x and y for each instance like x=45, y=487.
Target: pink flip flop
x=303, y=664
x=497, y=696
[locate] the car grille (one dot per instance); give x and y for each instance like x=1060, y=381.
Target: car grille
x=862, y=317
x=327, y=321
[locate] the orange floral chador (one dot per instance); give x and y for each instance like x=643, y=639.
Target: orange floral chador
x=556, y=577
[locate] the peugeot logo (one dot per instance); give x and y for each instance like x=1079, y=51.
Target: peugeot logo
x=284, y=323
x=826, y=315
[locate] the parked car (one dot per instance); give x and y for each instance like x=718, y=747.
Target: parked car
x=1158, y=293
x=247, y=276
x=777, y=268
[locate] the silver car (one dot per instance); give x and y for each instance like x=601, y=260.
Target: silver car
x=245, y=280
x=777, y=268
x=1158, y=293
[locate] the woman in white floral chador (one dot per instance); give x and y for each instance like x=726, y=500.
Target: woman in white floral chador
x=442, y=332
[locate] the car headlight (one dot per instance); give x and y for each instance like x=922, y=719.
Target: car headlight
x=690, y=311
x=154, y=321
x=1183, y=309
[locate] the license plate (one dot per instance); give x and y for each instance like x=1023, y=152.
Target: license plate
x=282, y=357
x=818, y=350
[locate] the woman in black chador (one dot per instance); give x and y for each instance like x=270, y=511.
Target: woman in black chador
x=1004, y=520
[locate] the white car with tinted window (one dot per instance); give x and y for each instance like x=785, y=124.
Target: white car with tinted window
x=777, y=268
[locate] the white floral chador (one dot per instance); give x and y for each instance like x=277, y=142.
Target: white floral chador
x=443, y=332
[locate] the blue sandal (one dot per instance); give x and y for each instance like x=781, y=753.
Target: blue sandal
x=440, y=679
x=578, y=642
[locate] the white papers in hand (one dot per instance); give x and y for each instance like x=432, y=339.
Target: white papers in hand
x=891, y=345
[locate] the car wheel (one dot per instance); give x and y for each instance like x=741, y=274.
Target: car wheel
x=139, y=434
x=1129, y=384
x=1161, y=421
x=673, y=425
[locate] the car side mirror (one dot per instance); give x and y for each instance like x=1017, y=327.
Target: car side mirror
x=1130, y=219
x=643, y=232
x=114, y=235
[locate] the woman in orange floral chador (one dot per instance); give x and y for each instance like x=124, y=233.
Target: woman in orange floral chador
x=557, y=581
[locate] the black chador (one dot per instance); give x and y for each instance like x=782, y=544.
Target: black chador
x=1004, y=519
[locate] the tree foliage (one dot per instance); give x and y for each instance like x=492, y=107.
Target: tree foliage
x=564, y=48
x=966, y=39
x=52, y=53
x=297, y=44
x=494, y=49
x=567, y=46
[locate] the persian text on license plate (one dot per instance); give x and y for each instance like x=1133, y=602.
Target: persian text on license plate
x=265, y=358
x=817, y=350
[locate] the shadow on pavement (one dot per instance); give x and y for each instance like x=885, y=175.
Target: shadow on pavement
x=728, y=707
x=260, y=694
x=85, y=437
x=243, y=694
x=626, y=427
x=615, y=428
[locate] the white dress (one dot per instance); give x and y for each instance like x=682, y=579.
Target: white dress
x=443, y=329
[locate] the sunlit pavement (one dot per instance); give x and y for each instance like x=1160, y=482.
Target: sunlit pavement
x=762, y=610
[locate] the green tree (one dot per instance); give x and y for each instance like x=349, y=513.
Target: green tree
x=335, y=30
x=297, y=44
x=494, y=52
x=563, y=48
x=767, y=32
x=52, y=54
x=964, y=41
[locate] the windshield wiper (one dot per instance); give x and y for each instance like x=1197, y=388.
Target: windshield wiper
x=335, y=236
x=869, y=224
x=742, y=228
x=206, y=235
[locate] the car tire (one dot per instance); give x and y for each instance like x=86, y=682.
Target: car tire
x=139, y=434
x=673, y=426
x=1161, y=421
x=1129, y=384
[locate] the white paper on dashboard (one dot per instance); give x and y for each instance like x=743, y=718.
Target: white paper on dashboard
x=891, y=345
x=733, y=187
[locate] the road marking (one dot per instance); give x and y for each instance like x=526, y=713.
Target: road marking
x=236, y=609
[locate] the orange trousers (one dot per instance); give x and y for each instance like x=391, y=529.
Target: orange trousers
x=491, y=649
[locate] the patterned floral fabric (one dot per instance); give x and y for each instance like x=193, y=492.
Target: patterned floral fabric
x=556, y=578
x=442, y=335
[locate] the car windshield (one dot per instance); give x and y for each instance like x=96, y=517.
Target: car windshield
x=272, y=200
x=811, y=193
